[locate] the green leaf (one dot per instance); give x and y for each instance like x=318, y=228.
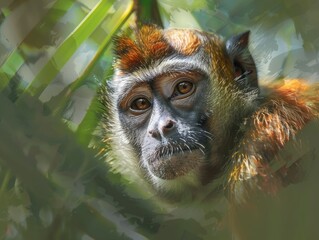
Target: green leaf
x=69, y=46
x=15, y=59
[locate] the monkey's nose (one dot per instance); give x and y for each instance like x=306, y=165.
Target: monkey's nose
x=163, y=129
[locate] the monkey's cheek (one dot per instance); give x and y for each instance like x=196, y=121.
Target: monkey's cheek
x=177, y=165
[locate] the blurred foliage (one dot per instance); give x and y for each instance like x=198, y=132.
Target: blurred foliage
x=62, y=191
x=54, y=55
x=147, y=12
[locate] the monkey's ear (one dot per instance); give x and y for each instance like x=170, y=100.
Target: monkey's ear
x=243, y=63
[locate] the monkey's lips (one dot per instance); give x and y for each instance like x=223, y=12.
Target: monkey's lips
x=170, y=164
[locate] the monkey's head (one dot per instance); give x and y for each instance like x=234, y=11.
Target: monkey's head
x=175, y=98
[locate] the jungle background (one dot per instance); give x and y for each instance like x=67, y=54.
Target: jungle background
x=54, y=56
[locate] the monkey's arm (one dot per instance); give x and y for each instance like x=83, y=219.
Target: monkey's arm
x=278, y=119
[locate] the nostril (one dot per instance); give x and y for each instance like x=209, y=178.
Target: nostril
x=169, y=124
x=168, y=127
x=154, y=133
x=162, y=129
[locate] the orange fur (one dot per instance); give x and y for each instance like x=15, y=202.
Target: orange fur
x=149, y=45
x=152, y=42
x=131, y=55
x=184, y=41
x=286, y=111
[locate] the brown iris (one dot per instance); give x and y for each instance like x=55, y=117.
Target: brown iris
x=184, y=87
x=140, y=104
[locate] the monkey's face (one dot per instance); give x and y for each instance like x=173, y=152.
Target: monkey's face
x=173, y=96
x=165, y=119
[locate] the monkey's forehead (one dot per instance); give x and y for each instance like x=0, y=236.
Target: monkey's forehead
x=153, y=43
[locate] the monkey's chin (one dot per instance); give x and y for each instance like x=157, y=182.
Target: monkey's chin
x=170, y=167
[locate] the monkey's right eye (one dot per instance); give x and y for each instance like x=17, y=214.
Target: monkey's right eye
x=140, y=104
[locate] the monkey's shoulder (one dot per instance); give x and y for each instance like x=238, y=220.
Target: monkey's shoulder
x=294, y=101
x=285, y=108
x=275, y=136
x=293, y=91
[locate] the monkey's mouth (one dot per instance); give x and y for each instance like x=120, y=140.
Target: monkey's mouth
x=170, y=162
x=170, y=150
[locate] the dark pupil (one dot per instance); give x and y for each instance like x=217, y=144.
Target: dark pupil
x=140, y=104
x=184, y=87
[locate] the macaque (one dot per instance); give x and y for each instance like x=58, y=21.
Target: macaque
x=185, y=112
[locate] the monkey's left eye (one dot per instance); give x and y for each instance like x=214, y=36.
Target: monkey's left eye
x=140, y=104
x=183, y=89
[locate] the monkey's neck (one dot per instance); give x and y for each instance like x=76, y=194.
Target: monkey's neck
x=219, y=158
